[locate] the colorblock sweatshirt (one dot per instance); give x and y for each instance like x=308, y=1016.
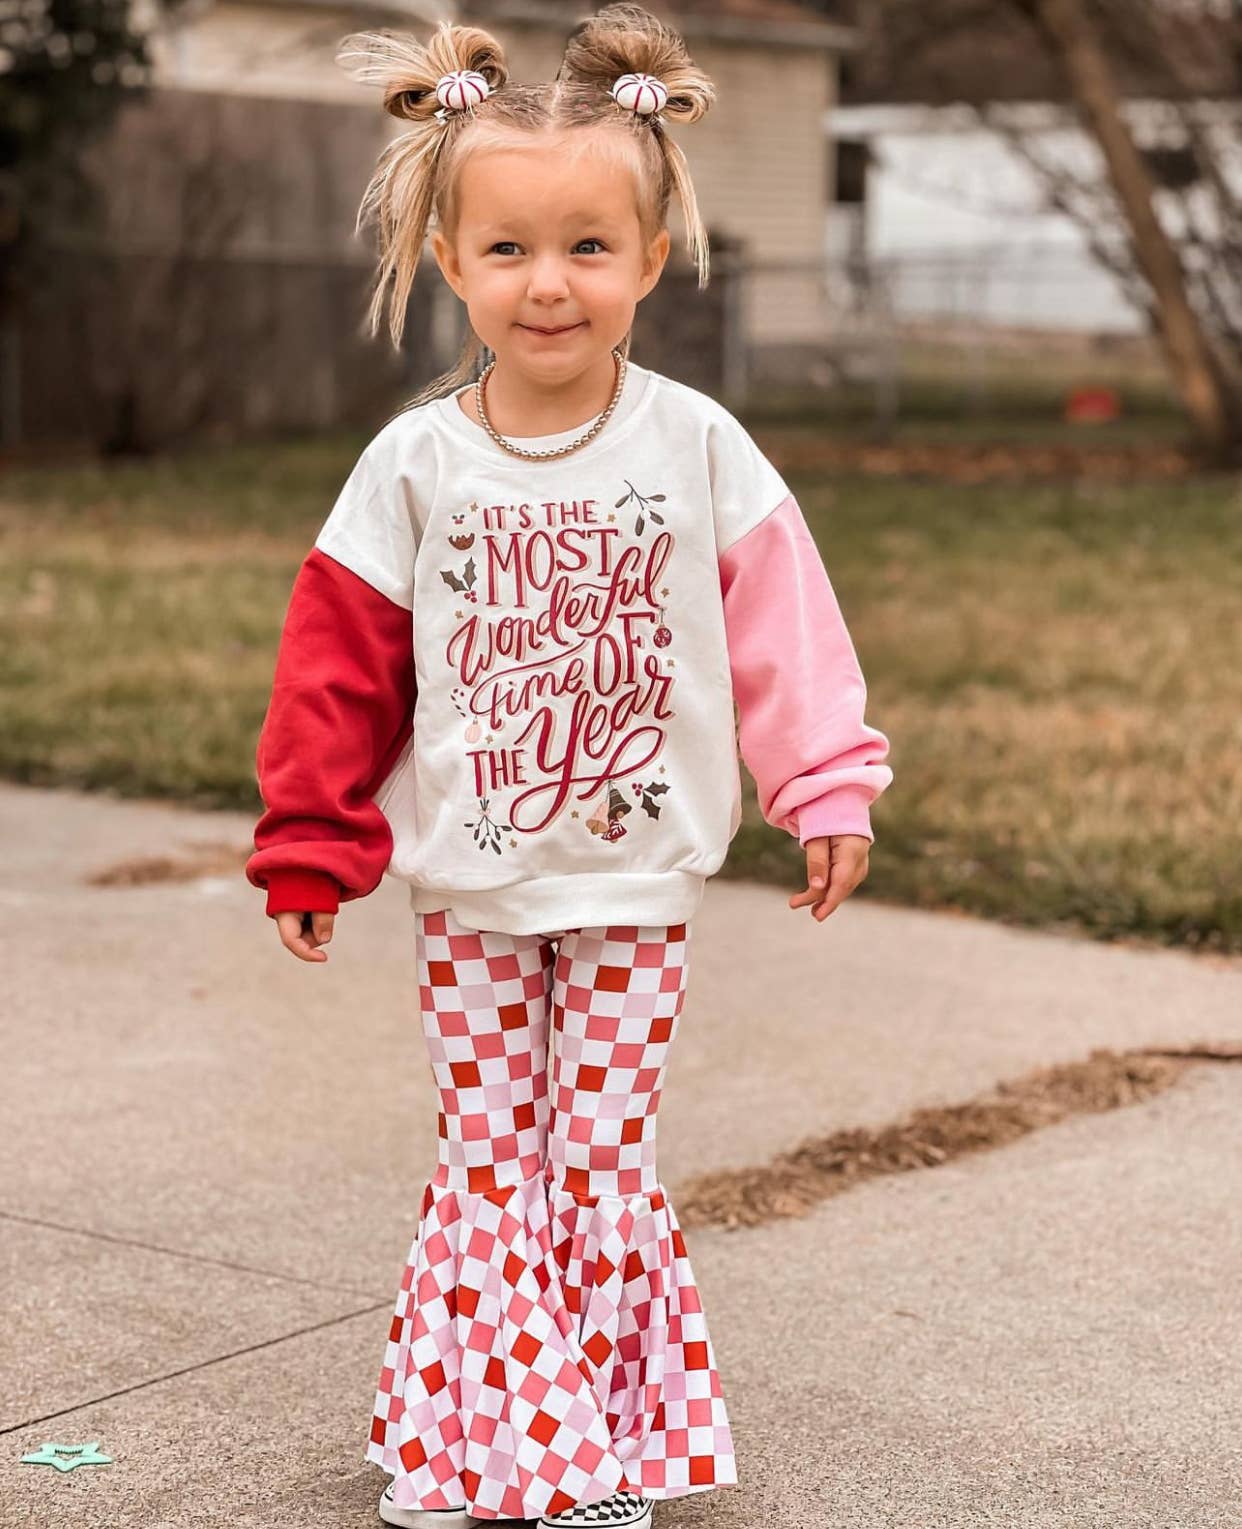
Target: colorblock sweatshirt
x=521, y=687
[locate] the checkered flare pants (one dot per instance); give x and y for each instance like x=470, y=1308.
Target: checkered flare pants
x=548, y=1345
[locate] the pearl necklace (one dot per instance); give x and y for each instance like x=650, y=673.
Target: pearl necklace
x=548, y=452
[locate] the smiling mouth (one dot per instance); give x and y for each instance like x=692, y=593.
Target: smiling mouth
x=561, y=329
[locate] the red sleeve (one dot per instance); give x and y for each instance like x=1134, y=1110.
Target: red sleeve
x=341, y=712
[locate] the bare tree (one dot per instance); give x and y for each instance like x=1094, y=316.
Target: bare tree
x=1155, y=83
x=1075, y=36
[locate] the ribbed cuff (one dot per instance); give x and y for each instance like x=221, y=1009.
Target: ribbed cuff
x=295, y=891
x=844, y=810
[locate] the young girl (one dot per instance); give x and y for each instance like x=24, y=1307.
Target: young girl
x=507, y=677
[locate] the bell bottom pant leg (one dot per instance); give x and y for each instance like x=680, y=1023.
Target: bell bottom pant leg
x=548, y=1345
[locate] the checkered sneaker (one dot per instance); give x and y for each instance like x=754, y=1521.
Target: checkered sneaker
x=621, y=1509
x=548, y=1347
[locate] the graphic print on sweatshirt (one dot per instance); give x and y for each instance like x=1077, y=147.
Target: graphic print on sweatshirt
x=574, y=658
x=558, y=662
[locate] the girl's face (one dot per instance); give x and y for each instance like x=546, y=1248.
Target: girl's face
x=548, y=242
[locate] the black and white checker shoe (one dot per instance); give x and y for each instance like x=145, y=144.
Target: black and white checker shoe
x=623, y=1510
x=433, y=1518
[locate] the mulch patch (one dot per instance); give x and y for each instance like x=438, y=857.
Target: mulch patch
x=201, y=859
x=795, y=1182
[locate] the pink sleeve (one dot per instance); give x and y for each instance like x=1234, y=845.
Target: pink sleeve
x=799, y=689
x=341, y=711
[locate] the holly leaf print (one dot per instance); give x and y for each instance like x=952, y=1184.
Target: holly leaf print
x=451, y=579
x=650, y=792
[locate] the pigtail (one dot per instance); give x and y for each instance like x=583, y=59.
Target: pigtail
x=401, y=192
x=626, y=39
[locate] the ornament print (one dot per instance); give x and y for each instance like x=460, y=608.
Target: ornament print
x=560, y=674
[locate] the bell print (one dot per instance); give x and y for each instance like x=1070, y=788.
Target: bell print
x=598, y=821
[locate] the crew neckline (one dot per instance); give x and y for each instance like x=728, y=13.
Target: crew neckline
x=635, y=392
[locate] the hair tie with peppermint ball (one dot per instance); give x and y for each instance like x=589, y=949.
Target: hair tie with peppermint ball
x=642, y=94
x=459, y=90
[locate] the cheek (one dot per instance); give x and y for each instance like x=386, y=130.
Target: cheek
x=614, y=286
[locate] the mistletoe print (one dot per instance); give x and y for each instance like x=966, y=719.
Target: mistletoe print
x=558, y=649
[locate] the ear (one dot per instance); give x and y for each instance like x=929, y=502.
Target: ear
x=446, y=258
x=653, y=265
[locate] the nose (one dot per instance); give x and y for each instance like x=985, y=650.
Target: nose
x=547, y=279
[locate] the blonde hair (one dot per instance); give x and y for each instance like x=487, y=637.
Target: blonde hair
x=417, y=175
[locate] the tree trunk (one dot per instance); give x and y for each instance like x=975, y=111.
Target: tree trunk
x=1196, y=373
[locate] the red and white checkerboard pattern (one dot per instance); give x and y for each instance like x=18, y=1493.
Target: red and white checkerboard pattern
x=548, y=1345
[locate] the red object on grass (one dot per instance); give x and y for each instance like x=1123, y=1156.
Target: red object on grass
x=1091, y=405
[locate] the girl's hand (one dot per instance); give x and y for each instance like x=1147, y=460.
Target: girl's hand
x=835, y=865
x=304, y=942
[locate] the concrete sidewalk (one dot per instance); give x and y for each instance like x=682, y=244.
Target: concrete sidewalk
x=214, y=1157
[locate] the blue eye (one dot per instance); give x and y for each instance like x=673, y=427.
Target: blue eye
x=591, y=241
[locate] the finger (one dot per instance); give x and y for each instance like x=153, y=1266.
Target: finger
x=818, y=863
x=321, y=927
x=849, y=867
x=830, y=897
x=301, y=947
x=295, y=939
x=817, y=885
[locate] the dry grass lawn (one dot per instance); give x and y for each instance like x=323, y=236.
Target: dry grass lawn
x=1058, y=665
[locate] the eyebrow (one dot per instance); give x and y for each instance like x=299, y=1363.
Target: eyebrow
x=594, y=220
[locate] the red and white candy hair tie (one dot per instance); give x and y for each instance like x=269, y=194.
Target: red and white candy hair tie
x=642, y=94
x=460, y=90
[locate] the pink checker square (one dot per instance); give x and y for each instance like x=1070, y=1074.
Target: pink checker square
x=482, y=1428
x=465, y=947
x=490, y=1045
x=602, y=1027
x=628, y=1054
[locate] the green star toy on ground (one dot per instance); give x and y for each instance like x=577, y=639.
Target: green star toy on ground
x=80, y=1454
